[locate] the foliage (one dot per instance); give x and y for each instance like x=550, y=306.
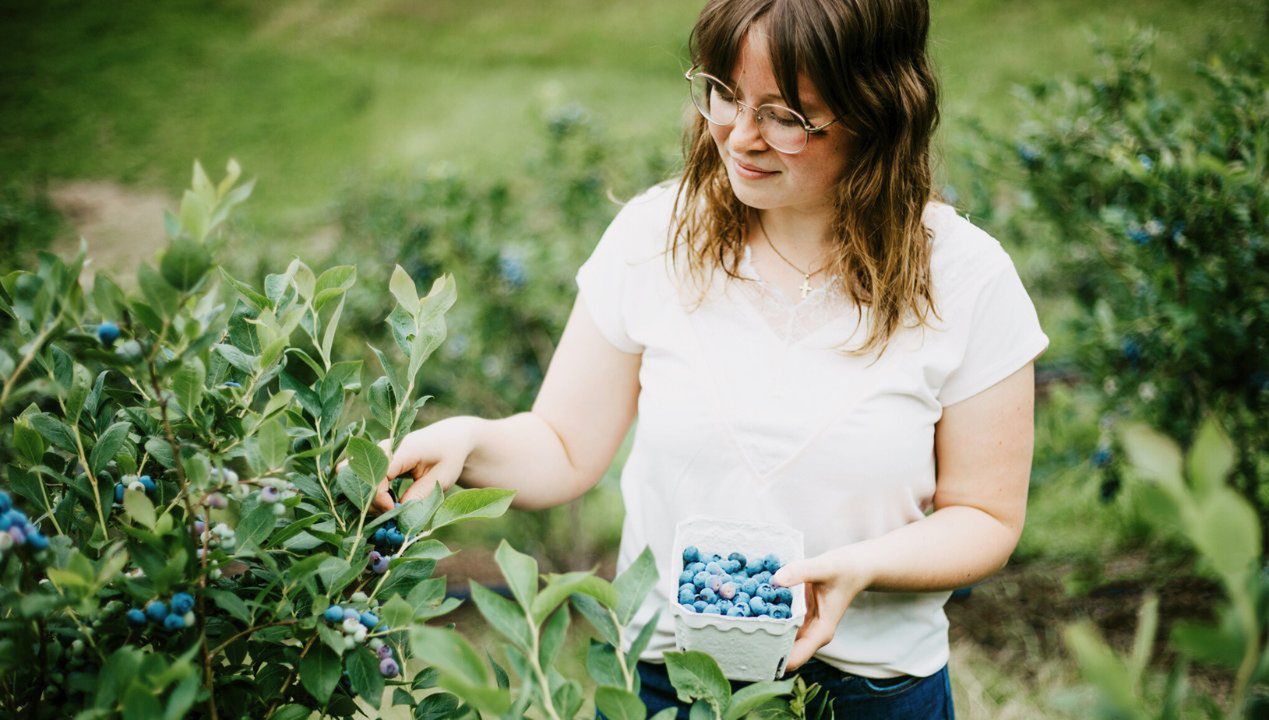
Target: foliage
x=28, y=223
x=1189, y=493
x=1157, y=207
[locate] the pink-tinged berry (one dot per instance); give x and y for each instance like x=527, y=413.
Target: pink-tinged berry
x=269, y=495
x=380, y=566
x=389, y=668
x=384, y=652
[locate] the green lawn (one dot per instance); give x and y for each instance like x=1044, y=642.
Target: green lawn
x=308, y=93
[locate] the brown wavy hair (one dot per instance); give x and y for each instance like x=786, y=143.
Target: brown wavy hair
x=867, y=60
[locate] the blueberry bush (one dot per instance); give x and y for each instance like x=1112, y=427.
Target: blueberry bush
x=1188, y=494
x=188, y=470
x=1154, y=207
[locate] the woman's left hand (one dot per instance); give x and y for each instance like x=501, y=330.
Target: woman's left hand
x=832, y=579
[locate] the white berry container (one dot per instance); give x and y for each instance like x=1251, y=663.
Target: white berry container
x=746, y=648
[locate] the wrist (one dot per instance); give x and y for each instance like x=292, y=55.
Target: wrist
x=462, y=432
x=857, y=563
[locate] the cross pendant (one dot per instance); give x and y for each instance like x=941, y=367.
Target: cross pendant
x=806, y=286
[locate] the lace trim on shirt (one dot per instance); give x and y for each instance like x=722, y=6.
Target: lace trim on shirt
x=791, y=321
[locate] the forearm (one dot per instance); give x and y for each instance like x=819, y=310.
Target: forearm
x=953, y=547
x=522, y=453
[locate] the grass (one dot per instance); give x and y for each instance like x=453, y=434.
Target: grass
x=306, y=92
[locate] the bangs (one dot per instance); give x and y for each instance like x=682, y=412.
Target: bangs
x=793, y=45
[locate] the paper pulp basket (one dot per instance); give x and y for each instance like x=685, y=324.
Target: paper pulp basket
x=747, y=649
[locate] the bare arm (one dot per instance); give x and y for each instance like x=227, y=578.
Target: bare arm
x=549, y=455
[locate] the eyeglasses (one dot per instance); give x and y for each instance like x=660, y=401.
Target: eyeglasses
x=787, y=130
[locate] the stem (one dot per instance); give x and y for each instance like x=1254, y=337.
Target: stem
x=543, y=685
x=621, y=652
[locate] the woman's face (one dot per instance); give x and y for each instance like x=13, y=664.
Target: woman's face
x=803, y=181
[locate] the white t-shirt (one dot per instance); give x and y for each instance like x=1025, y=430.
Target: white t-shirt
x=746, y=412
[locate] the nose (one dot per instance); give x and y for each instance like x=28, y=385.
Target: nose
x=745, y=132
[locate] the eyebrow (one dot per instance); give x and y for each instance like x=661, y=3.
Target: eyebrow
x=772, y=96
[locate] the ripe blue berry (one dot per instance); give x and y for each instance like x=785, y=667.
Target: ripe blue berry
x=389, y=668
x=701, y=579
x=731, y=566
x=380, y=537
x=36, y=540
x=714, y=568
x=119, y=492
x=182, y=603
x=738, y=611
x=380, y=566
x=155, y=610
x=710, y=609
x=699, y=606
x=708, y=595
x=749, y=587
x=763, y=577
x=753, y=566
x=691, y=554
x=6, y=502
x=737, y=556
x=107, y=333
x=395, y=538
x=757, y=605
x=771, y=563
x=369, y=620
x=724, y=606
x=135, y=616
x=687, y=593
x=696, y=567
x=333, y=614
x=779, y=612
x=766, y=592
x=148, y=483
x=173, y=622
x=741, y=598
x=784, y=596
x=686, y=577
x=350, y=614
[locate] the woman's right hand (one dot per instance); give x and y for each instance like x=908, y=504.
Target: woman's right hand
x=433, y=455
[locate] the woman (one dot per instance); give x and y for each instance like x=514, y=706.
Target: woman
x=809, y=337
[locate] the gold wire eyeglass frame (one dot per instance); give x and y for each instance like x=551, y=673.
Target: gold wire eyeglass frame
x=807, y=127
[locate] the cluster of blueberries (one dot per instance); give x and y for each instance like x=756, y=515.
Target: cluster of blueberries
x=176, y=614
x=387, y=539
x=356, y=625
x=16, y=530
x=143, y=483
x=734, y=587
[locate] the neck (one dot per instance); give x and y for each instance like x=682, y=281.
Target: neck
x=800, y=236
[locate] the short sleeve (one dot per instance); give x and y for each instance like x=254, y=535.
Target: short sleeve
x=604, y=281
x=1003, y=334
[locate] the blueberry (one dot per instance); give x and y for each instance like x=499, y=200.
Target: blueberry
x=727, y=590
x=710, y=609
x=135, y=616
x=766, y=592
x=741, y=597
x=350, y=614
x=269, y=495
x=231, y=384
x=1102, y=457
x=333, y=614
x=724, y=606
x=384, y=652
x=173, y=622
x=380, y=566
x=107, y=333
x=119, y=492
x=369, y=620
x=19, y=537
x=779, y=612
x=731, y=566
x=155, y=610
x=714, y=568
x=753, y=566
x=715, y=557
x=708, y=595
x=784, y=596
x=686, y=577
x=6, y=502
x=771, y=563
x=696, y=567
x=5, y=522
x=763, y=577
x=715, y=582
x=36, y=541
x=757, y=605
x=691, y=554
x=699, y=606
x=701, y=579
x=395, y=537
x=380, y=536
x=388, y=667
x=738, y=611
x=148, y=483
x=749, y=587
x=687, y=594
x=182, y=603
x=737, y=556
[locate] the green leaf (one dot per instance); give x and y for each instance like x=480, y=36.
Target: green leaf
x=598, y=616
x=602, y=664
x=54, y=431
x=696, y=676
x=752, y=695
x=396, y=613
x=273, y=444
x=367, y=460
x=403, y=289
x=521, y=572
x=237, y=358
x=618, y=704
x=139, y=703
x=554, y=630
x=449, y=653
x=560, y=587
x=633, y=585
x=472, y=503
x=438, y=706
x=29, y=442
x=319, y=672
x=1153, y=455
x=1227, y=532
x=255, y=526
x=503, y=615
x=139, y=507
x=1103, y=669
x=667, y=714
x=185, y=263
x=415, y=514
x=291, y=712
x=1211, y=458
x=107, y=446
x=363, y=673
x=248, y=293
x=188, y=384
x=641, y=641
x=354, y=488
x=230, y=603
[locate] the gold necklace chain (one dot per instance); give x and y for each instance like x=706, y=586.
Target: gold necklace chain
x=806, y=276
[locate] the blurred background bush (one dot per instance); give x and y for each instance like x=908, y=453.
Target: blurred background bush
x=1118, y=151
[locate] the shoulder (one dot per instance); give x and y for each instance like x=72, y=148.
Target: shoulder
x=640, y=230
x=963, y=256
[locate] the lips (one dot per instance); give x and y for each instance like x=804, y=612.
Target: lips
x=750, y=168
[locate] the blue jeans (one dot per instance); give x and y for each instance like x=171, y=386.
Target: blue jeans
x=851, y=696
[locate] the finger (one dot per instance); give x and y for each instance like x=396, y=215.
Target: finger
x=383, y=497
x=801, y=571
x=814, y=635
x=440, y=475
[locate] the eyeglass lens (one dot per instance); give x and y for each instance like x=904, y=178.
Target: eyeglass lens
x=780, y=127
